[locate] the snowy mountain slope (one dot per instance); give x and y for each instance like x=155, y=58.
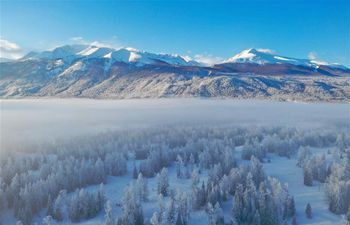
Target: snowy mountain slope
x=94, y=52
x=126, y=55
x=100, y=72
x=264, y=62
x=122, y=81
x=2, y=59
x=262, y=56
x=57, y=53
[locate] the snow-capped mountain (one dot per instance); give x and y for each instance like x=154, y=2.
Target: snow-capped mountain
x=264, y=62
x=131, y=55
x=138, y=57
x=126, y=55
x=263, y=56
x=2, y=59
x=102, y=72
x=57, y=53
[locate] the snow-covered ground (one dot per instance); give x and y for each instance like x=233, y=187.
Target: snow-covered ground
x=114, y=190
x=62, y=118
x=287, y=172
x=280, y=167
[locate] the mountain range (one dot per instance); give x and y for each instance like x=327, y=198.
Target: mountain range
x=103, y=72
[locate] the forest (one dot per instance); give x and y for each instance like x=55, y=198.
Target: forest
x=223, y=165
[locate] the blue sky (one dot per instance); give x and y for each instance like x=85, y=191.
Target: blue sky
x=202, y=29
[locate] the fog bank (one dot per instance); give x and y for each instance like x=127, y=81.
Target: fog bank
x=34, y=121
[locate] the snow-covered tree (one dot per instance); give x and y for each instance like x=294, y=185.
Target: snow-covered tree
x=109, y=216
x=171, y=212
x=132, y=210
x=308, y=177
x=163, y=182
x=238, y=204
x=47, y=220
x=256, y=219
x=182, y=207
x=135, y=172
x=142, y=187
x=215, y=214
x=155, y=219
x=308, y=211
x=348, y=216
x=58, y=206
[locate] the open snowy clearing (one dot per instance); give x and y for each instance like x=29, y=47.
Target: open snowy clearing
x=286, y=171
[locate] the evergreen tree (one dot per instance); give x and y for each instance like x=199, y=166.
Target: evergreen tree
x=308, y=211
x=58, y=204
x=134, y=172
x=289, y=208
x=171, y=212
x=238, y=206
x=191, y=162
x=179, y=167
x=219, y=215
x=162, y=211
x=109, y=217
x=13, y=191
x=142, y=186
x=2, y=195
x=256, y=168
x=155, y=219
x=163, y=182
x=132, y=210
x=179, y=220
x=294, y=220
x=308, y=178
x=256, y=219
x=264, y=204
x=183, y=209
x=49, y=206
x=47, y=220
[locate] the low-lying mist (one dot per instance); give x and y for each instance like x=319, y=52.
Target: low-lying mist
x=27, y=123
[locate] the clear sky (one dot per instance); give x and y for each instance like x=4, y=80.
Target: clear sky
x=202, y=29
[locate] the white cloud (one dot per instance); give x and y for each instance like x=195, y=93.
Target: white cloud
x=109, y=44
x=266, y=50
x=312, y=56
x=207, y=59
x=10, y=49
x=77, y=39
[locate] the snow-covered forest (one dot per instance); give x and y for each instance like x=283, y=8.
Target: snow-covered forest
x=194, y=170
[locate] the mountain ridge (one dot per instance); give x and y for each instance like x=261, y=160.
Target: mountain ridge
x=252, y=55
x=102, y=72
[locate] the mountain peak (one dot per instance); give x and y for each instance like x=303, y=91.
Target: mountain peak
x=255, y=51
x=251, y=51
x=266, y=56
x=56, y=53
x=252, y=55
